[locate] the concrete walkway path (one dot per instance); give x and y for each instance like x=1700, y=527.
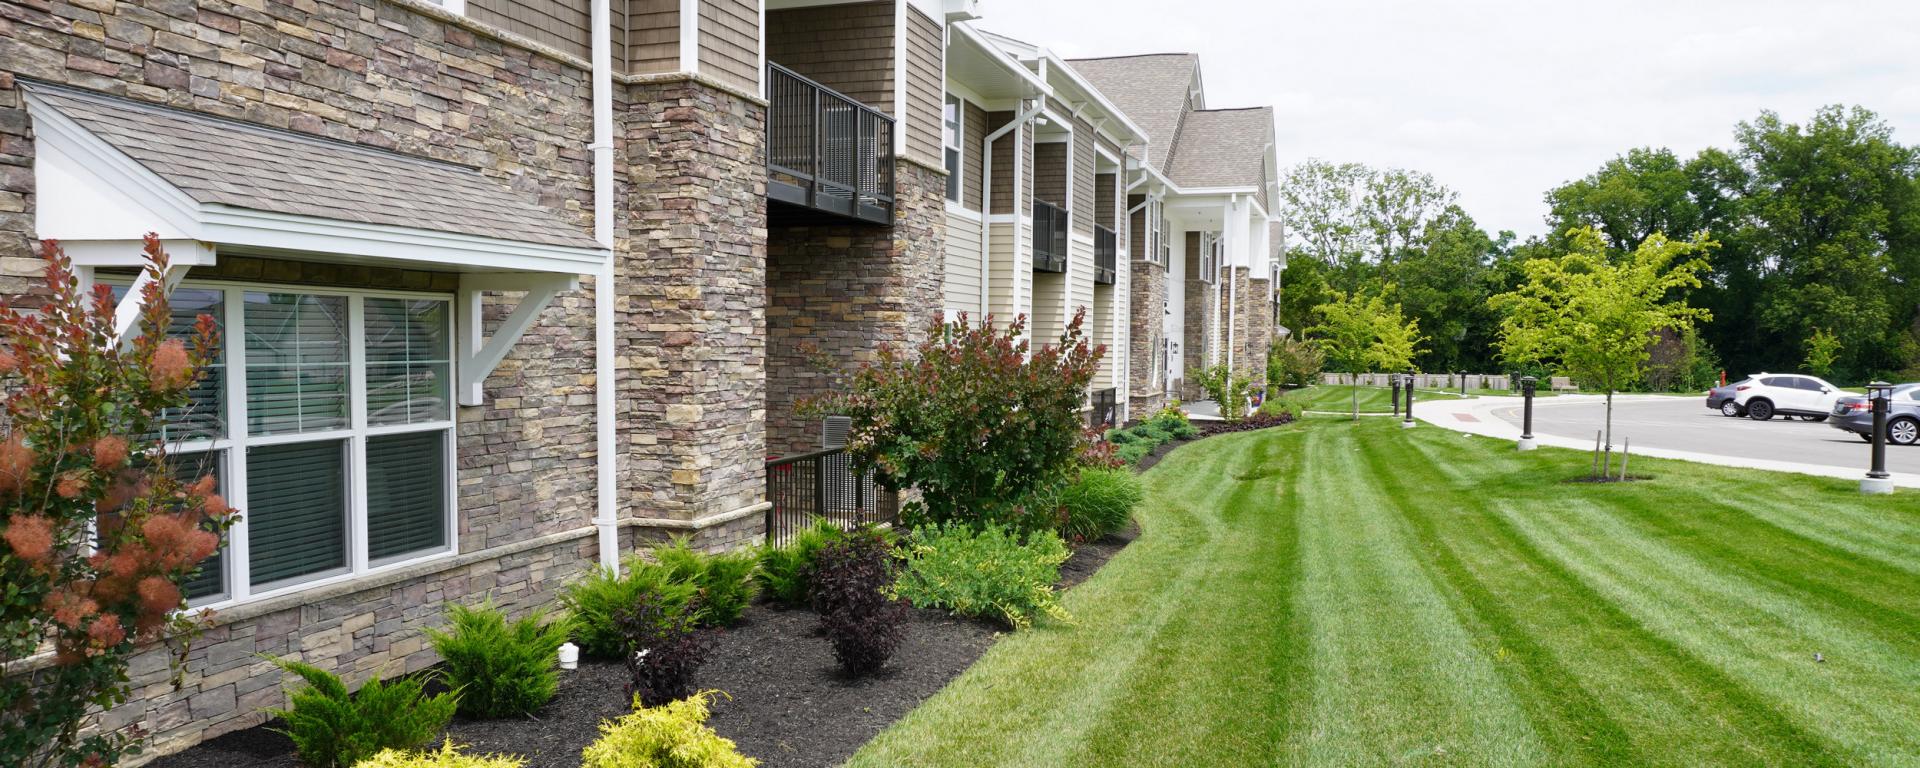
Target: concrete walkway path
x=1478, y=416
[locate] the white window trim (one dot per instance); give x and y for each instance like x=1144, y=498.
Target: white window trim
x=958, y=147
x=232, y=448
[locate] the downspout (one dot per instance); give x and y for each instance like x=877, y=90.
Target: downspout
x=1233, y=292
x=986, y=205
x=606, y=464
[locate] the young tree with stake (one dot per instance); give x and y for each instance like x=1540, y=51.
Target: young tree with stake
x=1364, y=333
x=1595, y=318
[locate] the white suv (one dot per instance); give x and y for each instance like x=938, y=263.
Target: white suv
x=1766, y=395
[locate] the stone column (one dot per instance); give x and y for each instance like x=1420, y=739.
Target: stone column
x=691, y=314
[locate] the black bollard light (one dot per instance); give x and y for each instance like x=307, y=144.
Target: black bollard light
x=1878, y=481
x=1408, y=420
x=1394, y=379
x=1527, y=383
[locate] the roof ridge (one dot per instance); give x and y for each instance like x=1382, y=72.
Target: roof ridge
x=122, y=102
x=1187, y=54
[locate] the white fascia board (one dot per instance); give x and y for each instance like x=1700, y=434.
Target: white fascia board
x=1058, y=67
x=964, y=32
x=450, y=251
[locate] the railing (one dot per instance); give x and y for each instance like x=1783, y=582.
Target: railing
x=1050, y=227
x=823, y=484
x=1106, y=255
x=826, y=151
x=1106, y=408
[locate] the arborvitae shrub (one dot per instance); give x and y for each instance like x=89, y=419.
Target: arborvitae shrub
x=783, y=570
x=593, y=601
x=726, y=582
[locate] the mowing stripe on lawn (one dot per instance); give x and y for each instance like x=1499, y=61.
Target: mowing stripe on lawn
x=1355, y=594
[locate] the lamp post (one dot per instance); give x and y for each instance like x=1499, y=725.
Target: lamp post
x=1878, y=481
x=1407, y=421
x=1394, y=379
x=1527, y=383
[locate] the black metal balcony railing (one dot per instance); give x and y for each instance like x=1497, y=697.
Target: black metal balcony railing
x=1050, y=228
x=826, y=151
x=823, y=484
x=1106, y=408
x=1106, y=255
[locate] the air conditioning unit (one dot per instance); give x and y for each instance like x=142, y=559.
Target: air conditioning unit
x=836, y=471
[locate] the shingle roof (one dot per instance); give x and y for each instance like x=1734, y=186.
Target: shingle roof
x=1223, y=148
x=1151, y=89
x=214, y=160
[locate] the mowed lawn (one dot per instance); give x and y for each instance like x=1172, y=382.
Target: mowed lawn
x=1339, y=398
x=1339, y=593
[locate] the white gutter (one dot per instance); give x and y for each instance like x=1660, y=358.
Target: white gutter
x=986, y=200
x=606, y=465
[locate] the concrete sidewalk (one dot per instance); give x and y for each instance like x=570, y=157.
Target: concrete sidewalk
x=1477, y=417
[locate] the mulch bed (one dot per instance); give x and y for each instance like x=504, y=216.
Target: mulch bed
x=790, y=705
x=1209, y=429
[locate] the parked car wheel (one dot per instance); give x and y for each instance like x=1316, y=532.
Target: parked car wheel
x=1865, y=438
x=1759, y=410
x=1730, y=409
x=1903, y=432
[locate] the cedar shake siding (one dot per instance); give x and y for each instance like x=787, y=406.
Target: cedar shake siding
x=1138, y=226
x=730, y=42
x=926, y=89
x=653, y=36
x=973, y=154
x=1103, y=213
x=848, y=48
x=564, y=24
x=1083, y=165
x=1003, y=149
x=1049, y=172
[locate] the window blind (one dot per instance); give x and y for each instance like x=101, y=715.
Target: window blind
x=296, y=363
x=408, y=366
x=188, y=468
x=297, y=515
x=406, y=494
x=204, y=418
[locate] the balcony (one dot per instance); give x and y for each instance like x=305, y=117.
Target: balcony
x=1050, y=226
x=827, y=152
x=1106, y=255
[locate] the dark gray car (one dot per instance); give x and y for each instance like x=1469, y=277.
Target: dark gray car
x=1720, y=398
x=1854, y=414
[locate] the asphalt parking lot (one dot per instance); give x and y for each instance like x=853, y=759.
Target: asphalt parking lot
x=1685, y=424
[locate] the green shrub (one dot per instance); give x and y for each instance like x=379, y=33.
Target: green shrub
x=597, y=597
x=332, y=728
x=850, y=590
x=1281, y=406
x=1099, y=502
x=1132, y=453
x=1120, y=436
x=671, y=736
x=1175, y=423
x=501, y=668
x=783, y=570
x=666, y=646
x=448, y=757
x=725, y=581
x=1153, y=432
x=973, y=417
x=990, y=573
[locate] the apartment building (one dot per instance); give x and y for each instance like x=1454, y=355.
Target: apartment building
x=1202, y=196
x=509, y=287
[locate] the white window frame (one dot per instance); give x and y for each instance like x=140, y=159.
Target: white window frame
x=231, y=448
x=956, y=130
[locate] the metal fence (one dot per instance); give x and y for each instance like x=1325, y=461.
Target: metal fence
x=1050, y=226
x=827, y=151
x=1106, y=255
x=823, y=484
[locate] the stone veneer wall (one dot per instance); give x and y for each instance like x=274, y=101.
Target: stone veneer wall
x=401, y=76
x=1146, y=389
x=1244, y=364
x=1259, y=326
x=1201, y=311
x=691, y=321
x=837, y=292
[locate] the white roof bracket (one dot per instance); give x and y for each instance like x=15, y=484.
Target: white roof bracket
x=479, y=356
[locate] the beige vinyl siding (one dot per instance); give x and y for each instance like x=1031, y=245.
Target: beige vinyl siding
x=973, y=155
x=653, y=36
x=1049, y=307
x=1083, y=165
x=563, y=24
x=848, y=48
x=926, y=89
x=1080, y=279
x=730, y=42
x=1006, y=270
x=1050, y=172
x=1102, y=316
x=961, y=292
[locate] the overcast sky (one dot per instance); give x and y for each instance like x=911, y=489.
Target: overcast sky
x=1504, y=99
